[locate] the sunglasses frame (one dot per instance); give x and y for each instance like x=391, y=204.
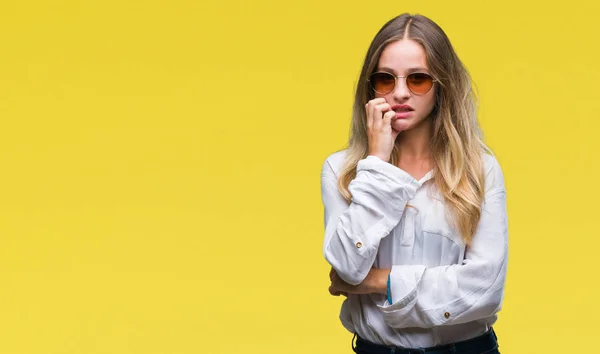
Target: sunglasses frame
x=433, y=81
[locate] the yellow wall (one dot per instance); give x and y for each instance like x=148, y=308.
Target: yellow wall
x=160, y=168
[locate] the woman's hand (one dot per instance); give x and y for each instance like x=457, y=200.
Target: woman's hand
x=379, y=128
x=333, y=291
x=375, y=282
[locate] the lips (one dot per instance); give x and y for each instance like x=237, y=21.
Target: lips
x=400, y=108
x=402, y=111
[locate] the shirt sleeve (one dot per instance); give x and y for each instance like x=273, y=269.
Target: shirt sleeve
x=447, y=295
x=353, y=232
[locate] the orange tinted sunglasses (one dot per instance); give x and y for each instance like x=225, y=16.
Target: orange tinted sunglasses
x=383, y=82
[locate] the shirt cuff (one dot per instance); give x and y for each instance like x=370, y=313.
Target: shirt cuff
x=404, y=282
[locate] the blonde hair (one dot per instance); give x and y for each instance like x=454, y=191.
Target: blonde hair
x=456, y=145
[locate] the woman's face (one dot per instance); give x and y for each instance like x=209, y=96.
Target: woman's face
x=402, y=58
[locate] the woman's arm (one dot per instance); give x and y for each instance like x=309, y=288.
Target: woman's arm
x=447, y=295
x=353, y=232
x=427, y=297
x=374, y=283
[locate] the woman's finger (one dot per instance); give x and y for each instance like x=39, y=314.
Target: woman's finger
x=333, y=291
x=387, y=117
x=378, y=113
x=369, y=109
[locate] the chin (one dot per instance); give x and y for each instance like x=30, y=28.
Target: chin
x=401, y=124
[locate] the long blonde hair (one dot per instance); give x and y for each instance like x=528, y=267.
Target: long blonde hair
x=456, y=145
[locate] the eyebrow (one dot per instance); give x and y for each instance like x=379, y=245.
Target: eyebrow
x=408, y=71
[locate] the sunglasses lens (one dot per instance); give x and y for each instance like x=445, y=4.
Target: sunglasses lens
x=419, y=83
x=383, y=83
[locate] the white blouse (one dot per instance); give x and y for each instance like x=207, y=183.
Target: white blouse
x=442, y=291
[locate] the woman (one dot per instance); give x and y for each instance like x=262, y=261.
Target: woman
x=415, y=207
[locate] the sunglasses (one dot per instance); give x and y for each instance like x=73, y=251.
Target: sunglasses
x=418, y=83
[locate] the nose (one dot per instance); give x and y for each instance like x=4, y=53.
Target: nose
x=401, y=91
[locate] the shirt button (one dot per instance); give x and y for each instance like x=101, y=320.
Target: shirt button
x=358, y=244
x=447, y=314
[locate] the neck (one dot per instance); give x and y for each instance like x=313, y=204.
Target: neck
x=413, y=144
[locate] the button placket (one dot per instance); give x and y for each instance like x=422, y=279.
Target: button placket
x=408, y=227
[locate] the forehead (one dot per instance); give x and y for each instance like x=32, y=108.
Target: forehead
x=403, y=55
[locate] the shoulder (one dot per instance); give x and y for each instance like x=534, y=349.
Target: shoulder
x=334, y=163
x=494, y=177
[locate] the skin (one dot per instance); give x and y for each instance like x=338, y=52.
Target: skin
x=400, y=58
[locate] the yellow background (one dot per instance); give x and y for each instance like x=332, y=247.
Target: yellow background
x=160, y=169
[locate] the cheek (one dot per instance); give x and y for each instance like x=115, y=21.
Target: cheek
x=428, y=102
x=387, y=96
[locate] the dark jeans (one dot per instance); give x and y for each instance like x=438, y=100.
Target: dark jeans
x=484, y=344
